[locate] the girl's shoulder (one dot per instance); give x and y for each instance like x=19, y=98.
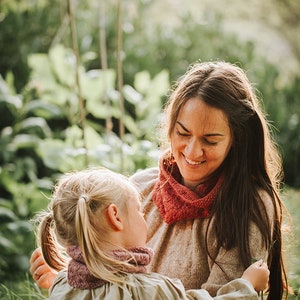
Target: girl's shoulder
x=141, y=286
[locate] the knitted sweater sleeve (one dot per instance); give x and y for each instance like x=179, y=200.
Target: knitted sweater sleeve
x=233, y=290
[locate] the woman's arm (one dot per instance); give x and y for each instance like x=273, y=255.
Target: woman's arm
x=254, y=279
x=227, y=265
x=41, y=273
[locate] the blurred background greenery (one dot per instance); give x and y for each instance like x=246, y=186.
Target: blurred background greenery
x=41, y=125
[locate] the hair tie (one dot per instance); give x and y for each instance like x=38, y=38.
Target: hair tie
x=49, y=217
x=85, y=197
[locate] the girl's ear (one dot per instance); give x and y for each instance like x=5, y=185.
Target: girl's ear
x=114, y=217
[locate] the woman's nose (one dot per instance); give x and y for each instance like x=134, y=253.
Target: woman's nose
x=194, y=149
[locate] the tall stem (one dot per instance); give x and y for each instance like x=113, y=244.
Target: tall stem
x=103, y=61
x=79, y=92
x=120, y=82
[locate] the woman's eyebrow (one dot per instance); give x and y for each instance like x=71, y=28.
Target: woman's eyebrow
x=207, y=135
x=185, y=129
x=214, y=134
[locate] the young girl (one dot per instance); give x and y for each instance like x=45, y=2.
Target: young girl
x=95, y=217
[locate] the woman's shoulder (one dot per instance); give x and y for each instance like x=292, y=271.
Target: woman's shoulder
x=267, y=203
x=148, y=173
x=145, y=179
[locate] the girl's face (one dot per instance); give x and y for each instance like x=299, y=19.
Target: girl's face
x=136, y=226
x=200, y=141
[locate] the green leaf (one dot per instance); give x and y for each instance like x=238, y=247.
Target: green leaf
x=142, y=81
x=44, y=80
x=43, y=109
x=10, y=105
x=57, y=155
x=40, y=68
x=96, y=86
x=63, y=63
x=6, y=244
x=93, y=138
x=6, y=215
x=53, y=153
x=74, y=137
x=19, y=226
x=132, y=95
x=133, y=126
x=36, y=125
x=153, y=91
x=22, y=141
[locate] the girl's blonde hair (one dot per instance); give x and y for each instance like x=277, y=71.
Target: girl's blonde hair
x=76, y=217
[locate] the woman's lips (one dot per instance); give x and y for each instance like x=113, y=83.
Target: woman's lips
x=192, y=162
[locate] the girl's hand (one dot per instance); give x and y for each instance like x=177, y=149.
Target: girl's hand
x=258, y=275
x=41, y=273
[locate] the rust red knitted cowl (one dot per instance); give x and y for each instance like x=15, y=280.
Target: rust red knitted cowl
x=176, y=202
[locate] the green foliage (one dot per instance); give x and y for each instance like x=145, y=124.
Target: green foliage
x=292, y=241
x=20, y=183
x=289, y=128
x=41, y=137
x=53, y=84
x=174, y=48
x=146, y=46
x=26, y=26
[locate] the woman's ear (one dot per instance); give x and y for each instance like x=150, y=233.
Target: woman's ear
x=114, y=217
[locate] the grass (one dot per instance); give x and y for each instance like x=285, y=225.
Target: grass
x=23, y=290
x=292, y=255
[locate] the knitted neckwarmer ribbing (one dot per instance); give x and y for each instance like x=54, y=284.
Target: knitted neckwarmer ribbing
x=80, y=277
x=176, y=202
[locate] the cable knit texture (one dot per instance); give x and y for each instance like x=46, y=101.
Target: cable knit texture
x=176, y=202
x=80, y=277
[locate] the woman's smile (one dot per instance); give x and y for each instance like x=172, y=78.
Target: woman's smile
x=192, y=162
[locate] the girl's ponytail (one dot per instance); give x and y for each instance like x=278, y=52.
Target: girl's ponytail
x=48, y=244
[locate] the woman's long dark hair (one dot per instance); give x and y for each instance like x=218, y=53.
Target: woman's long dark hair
x=252, y=169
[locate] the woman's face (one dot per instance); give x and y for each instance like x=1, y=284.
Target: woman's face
x=200, y=141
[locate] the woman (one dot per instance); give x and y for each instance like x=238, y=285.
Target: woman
x=213, y=204
x=96, y=217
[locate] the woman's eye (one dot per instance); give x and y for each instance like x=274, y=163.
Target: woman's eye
x=181, y=133
x=211, y=142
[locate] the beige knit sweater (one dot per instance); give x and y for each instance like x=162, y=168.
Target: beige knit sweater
x=180, y=247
